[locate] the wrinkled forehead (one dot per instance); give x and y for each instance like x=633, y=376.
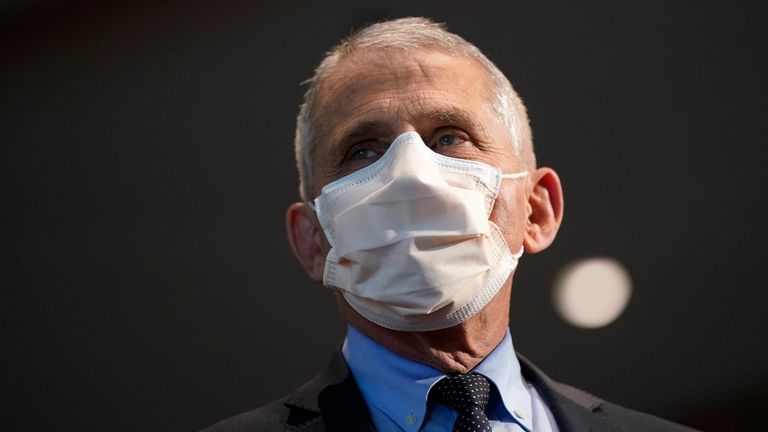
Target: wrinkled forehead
x=369, y=66
x=367, y=74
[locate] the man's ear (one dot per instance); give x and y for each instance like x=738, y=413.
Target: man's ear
x=545, y=205
x=306, y=238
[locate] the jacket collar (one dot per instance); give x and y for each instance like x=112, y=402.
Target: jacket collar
x=335, y=394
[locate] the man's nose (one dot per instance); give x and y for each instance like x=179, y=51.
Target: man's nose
x=402, y=127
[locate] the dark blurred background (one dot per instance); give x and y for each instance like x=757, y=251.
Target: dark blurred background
x=146, y=162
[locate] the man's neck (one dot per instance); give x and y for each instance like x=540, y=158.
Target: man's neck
x=455, y=349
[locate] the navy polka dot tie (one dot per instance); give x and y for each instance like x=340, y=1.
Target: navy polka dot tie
x=468, y=395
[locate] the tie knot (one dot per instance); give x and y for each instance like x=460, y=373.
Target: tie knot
x=462, y=391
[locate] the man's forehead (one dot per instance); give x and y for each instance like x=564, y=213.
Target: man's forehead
x=371, y=64
x=425, y=84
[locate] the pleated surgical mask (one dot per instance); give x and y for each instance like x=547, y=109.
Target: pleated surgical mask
x=412, y=247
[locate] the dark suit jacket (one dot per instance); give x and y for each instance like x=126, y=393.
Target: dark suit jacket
x=331, y=401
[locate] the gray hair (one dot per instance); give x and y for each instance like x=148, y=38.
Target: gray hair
x=406, y=34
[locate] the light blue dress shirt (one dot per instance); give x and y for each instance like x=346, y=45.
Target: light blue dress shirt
x=396, y=390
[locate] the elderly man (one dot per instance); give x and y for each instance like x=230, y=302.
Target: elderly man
x=421, y=193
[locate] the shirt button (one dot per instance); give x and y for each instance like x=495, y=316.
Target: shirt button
x=519, y=414
x=410, y=420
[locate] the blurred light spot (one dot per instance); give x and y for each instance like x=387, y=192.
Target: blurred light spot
x=592, y=293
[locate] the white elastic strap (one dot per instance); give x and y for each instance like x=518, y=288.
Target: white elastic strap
x=515, y=175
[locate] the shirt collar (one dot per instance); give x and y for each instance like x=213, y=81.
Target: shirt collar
x=502, y=368
x=399, y=387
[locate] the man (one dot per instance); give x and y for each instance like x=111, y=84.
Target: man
x=421, y=193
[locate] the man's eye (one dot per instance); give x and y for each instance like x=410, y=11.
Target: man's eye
x=446, y=140
x=362, y=154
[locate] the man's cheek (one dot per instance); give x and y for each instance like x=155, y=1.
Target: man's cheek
x=508, y=215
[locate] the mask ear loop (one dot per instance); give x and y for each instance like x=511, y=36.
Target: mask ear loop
x=515, y=175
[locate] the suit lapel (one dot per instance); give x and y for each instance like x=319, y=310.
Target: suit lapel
x=574, y=410
x=574, y=417
x=330, y=402
x=344, y=409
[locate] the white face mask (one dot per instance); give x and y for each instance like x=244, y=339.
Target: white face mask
x=411, y=245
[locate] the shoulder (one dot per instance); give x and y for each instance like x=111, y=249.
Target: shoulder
x=633, y=420
x=624, y=419
x=333, y=388
x=270, y=417
x=278, y=415
x=576, y=409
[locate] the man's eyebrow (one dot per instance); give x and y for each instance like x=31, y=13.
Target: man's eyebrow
x=454, y=116
x=459, y=117
x=359, y=131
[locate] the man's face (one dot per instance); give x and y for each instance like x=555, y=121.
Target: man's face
x=375, y=95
